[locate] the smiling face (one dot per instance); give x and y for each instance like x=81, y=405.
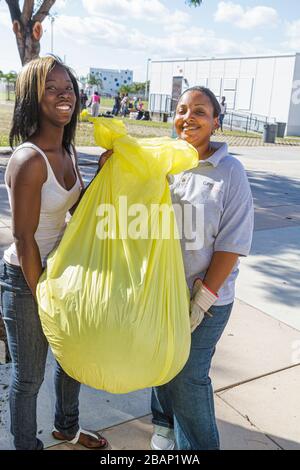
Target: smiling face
x=195, y=120
x=59, y=100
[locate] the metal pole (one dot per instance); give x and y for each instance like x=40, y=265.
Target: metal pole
x=52, y=30
x=147, y=79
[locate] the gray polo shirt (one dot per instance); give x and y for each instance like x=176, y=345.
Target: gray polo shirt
x=214, y=212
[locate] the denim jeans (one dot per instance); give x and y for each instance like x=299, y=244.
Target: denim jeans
x=187, y=402
x=221, y=119
x=28, y=348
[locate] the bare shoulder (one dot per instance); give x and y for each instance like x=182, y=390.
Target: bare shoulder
x=29, y=164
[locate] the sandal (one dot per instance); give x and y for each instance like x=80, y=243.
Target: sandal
x=88, y=439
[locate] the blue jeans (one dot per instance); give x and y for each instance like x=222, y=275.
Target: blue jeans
x=187, y=402
x=221, y=119
x=28, y=348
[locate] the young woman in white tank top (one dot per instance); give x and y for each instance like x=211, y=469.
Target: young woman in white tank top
x=44, y=184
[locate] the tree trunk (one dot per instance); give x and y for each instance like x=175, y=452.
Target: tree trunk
x=27, y=27
x=28, y=46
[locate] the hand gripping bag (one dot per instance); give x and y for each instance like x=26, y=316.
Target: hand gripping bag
x=113, y=300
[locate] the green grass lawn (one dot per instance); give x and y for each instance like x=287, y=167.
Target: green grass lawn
x=3, y=96
x=6, y=110
x=108, y=103
x=84, y=136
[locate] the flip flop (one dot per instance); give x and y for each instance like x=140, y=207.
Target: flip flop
x=103, y=443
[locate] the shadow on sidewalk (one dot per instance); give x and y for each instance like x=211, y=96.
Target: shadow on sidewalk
x=271, y=190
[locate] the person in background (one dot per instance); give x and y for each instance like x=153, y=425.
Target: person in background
x=95, y=104
x=117, y=105
x=223, y=109
x=83, y=100
x=140, y=105
x=124, y=105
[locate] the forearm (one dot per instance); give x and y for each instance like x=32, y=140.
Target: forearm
x=30, y=261
x=219, y=269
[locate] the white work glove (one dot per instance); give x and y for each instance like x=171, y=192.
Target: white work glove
x=202, y=300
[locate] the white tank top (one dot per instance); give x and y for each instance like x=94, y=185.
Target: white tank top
x=56, y=201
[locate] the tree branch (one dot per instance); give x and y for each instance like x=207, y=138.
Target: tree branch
x=14, y=9
x=43, y=10
x=27, y=11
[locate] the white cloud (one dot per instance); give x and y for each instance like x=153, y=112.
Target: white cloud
x=293, y=35
x=145, y=10
x=105, y=32
x=134, y=8
x=246, y=18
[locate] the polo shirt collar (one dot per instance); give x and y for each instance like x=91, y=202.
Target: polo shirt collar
x=221, y=151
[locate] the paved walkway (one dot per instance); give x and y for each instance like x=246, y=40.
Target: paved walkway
x=252, y=141
x=256, y=370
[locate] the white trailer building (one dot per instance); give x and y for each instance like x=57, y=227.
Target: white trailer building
x=266, y=86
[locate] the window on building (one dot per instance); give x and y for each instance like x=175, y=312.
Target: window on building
x=229, y=91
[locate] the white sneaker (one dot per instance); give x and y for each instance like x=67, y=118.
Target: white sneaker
x=162, y=439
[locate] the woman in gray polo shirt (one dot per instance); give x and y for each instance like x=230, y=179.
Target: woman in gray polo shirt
x=213, y=203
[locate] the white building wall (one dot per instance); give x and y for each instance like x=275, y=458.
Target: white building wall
x=262, y=91
x=156, y=77
x=166, y=70
x=190, y=72
x=281, y=89
x=293, y=127
x=261, y=85
x=203, y=71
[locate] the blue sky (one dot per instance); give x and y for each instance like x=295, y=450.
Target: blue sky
x=124, y=33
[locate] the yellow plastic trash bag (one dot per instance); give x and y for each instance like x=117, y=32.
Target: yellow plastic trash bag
x=84, y=115
x=113, y=301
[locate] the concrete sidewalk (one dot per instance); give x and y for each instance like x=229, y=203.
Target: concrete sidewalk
x=256, y=369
